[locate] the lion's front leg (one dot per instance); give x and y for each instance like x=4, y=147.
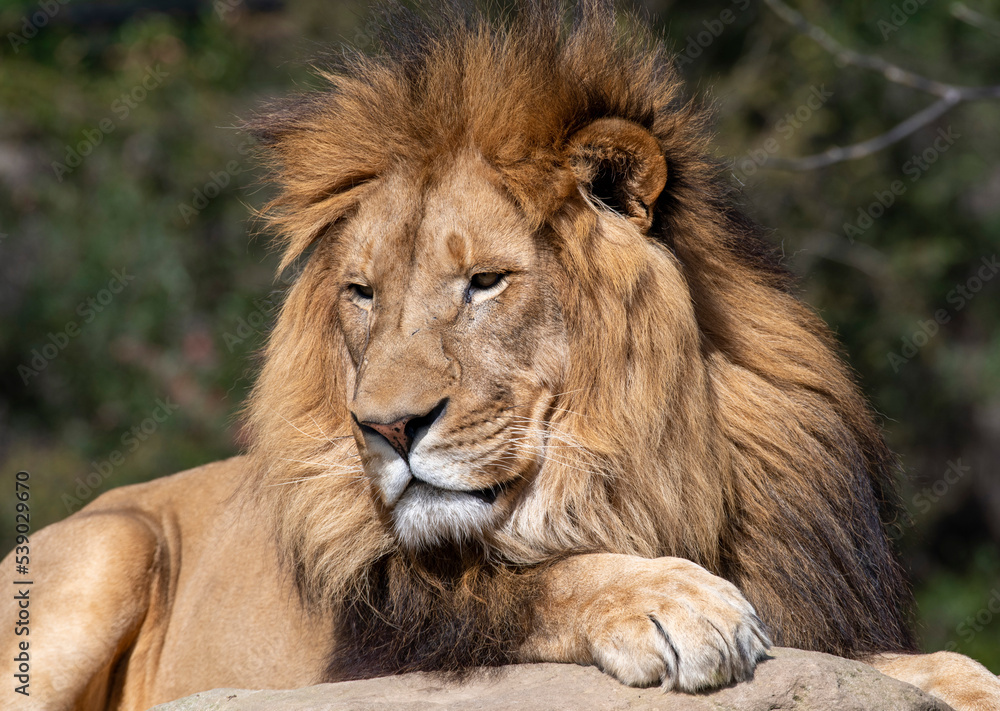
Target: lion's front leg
x=646, y=621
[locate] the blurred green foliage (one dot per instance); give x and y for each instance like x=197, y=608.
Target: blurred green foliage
x=166, y=196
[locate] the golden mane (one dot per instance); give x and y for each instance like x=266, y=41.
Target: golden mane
x=708, y=415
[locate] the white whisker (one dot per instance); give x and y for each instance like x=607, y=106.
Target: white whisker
x=322, y=463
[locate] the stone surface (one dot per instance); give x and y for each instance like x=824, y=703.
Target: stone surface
x=792, y=679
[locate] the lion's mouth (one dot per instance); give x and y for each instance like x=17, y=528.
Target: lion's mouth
x=487, y=495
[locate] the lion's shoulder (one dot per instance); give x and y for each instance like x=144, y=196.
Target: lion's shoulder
x=195, y=490
x=187, y=513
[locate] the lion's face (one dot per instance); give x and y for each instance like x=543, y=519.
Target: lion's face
x=472, y=322
x=455, y=349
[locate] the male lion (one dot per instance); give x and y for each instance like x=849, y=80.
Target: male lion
x=538, y=394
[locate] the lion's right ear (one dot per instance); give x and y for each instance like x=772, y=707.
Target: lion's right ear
x=620, y=164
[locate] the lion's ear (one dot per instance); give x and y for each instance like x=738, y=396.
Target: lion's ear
x=620, y=164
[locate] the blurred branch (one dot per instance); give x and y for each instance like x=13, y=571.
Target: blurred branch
x=890, y=71
x=838, y=154
x=961, y=11
x=950, y=95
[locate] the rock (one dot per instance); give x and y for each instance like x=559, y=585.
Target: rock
x=791, y=679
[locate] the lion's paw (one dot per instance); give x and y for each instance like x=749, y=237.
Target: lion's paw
x=670, y=621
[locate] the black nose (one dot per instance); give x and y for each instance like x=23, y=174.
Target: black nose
x=402, y=432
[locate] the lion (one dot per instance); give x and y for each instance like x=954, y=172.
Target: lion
x=539, y=392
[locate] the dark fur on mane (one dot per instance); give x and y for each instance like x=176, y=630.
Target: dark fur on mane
x=443, y=611
x=809, y=485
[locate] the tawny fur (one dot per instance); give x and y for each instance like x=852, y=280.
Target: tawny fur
x=661, y=404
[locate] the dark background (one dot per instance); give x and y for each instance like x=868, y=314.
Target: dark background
x=164, y=193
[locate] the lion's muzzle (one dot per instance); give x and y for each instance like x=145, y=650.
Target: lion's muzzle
x=432, y=490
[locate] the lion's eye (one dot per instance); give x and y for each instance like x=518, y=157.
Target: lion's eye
x=362, y=291
x=486, y=280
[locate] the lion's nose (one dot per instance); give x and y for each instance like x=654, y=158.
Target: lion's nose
x=402, y=432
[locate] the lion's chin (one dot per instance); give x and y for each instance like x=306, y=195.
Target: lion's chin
x=427, y=515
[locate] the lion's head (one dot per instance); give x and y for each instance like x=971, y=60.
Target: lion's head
x=530, y=322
